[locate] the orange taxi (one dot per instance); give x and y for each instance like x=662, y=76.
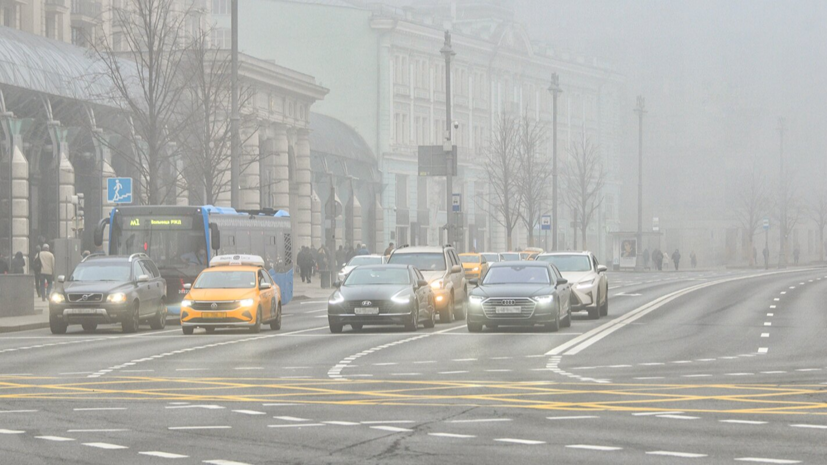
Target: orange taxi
x=234, y=292
x=475, y=265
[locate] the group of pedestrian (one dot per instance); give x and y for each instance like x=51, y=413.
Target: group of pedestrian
x=660, y=259
x=16, y=265
x=311, y=260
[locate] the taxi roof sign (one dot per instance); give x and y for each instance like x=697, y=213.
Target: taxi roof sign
x=237, y=260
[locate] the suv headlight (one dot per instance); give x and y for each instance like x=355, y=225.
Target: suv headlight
x=543, y=299
x=401, y=298
x=246, y=302
x=586, y=284
x=336, y=298
x=438, y=284
x=117, y=298
x=57, y=298
x=475, y=299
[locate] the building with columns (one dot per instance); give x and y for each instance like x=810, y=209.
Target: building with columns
x=387, y=80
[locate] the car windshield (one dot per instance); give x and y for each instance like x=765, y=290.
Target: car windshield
x=571, y=263
x=491, y=257
x=422, y=261
x=508, y=256
x=517, y=275
x=378, y=276
x=92, y=271
x=225, y=280
x=364, y=260
x=469, y=258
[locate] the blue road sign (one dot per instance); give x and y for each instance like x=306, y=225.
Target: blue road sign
x=545, y=223
x=456, y=203
x=766, y=224
x=119, y=190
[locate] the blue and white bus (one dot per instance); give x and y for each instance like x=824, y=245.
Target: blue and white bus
x=181, y=240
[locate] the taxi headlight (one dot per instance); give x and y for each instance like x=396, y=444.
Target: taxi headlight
x=117, y=298
x=247, y=303
x=544, y=299
x=186, y=303
x=57, y=298
x=475, y=300
x=476, y=268
x=336, y=298
x=438, y=284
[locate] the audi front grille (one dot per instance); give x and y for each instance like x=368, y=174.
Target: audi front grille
x=489, y=307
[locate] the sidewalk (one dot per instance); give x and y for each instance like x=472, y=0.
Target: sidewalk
x=40, y=319
x=312, y=291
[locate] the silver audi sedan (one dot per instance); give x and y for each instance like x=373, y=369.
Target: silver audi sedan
x=589, y=283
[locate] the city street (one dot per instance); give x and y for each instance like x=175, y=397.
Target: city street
x=706, y=367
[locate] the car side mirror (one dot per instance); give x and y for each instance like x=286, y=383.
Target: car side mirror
x=187, y=286
x=421, y=283
x=602, y=269
x=215, y=237
x=456, y=269
x=474, y=282
x=337, y=284
x=61, y=278
x=144, y=278
x=562, y=281
x=264, y=286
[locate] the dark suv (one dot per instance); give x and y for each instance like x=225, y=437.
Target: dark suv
x=102, y=290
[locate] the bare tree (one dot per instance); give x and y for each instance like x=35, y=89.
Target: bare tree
x=818, y=210
x=583, y=178
x=143, y=59
x=502, y=173
x=788, y=202
x=534, y=174
x=752, y=205
x=205, y=142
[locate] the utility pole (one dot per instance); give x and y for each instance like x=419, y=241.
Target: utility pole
x=782, y=251
x=555, y=90
x=235, y=144
x=448, y=52
x=640, y=110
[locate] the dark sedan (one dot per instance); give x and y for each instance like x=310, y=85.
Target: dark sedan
x=520, y=294
x=382, y=295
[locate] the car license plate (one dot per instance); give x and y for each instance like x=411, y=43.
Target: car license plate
x=509, y=310
x=84, y=311
x=214, y=315
x=367, y=310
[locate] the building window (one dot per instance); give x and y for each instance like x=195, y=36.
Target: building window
x=221, y=7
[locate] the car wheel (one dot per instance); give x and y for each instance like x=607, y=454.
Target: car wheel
x=89, y=327
x=187, y=330
x=133, y=321
x=275, y=325
x=566, y=323
x=604, y=310
x=447, y=315
x=554, y=326
x=594, y=311
x=431, y=321
x=460, y=314
x=474, y=327
x=57, y=326
x=356, y=327
x=335, y=328
x=257, y=326
x=413, y=322
x=159, y=321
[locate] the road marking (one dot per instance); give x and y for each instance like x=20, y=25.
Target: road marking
x=406, y=374
x=481, y=420
x=776, y=299
x=520, y=441
x=810, y=426
x=385, y=364
x=54, y=438
x=772, y=306
x=683, y=361
x=291, y=419
x=770, y=314
x=767, y=323
x=744, y=422
x=184, y=428
x=676, y=454
x=18, y=411
x=763, y=350
x=249, y=368
x=425, y=361
x=578, y=417
x=649, y=377
x=739, y=374
x=113, y=430
x=250, y=412
x=451, y=372
x=645, y=414
x=389, y=422
x=164, y=455
x=623, y=366
x=678, y=417
x=765, y=334
x=392, y=429
x=763, y=460
x=589, y=447
x=104, y=445
x=11, y=431
x=204, y=406
x=498, y=358
x=808, y=369
x=96, y=409
x=783, y=292
x=652, y=364
x=696, y=376
x=298, y=425
x=341, y=423
x=503, y=370
x=777, y=372
x=452, y=435
x=464, y=360
x=705, y=360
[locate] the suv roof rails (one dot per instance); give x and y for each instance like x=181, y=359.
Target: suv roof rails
x=138, y=255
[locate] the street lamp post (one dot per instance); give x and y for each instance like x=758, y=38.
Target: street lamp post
x=555, y=90
x=448, y=52
x=235, y=144
x=782, y=250
x=640, y=110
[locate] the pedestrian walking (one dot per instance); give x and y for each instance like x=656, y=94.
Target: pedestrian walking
x=36, y=267
x=676, y=259
x=341, y=258
x=18, y=264
x=646, y=258
x=657, y=259
x=694, y=259
x=363, y=250
x=323, y=262
x=389, y=250
x=47, y=271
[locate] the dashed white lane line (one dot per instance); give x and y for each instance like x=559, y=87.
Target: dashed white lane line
x=296, y=425
x=164, y=455
x=776, y=372
x=527, y=442
x=783, y=292
x=648, y=377
x=652, y=364
x=772, y=306
x=591, y=447
x=504, y=370
x=744, y=422
x=765, y=334
x=425, y=361
x=576, y=417
x=770, y=314
x=765, y=460
x=676, y=454
x=464, y=360
x=98, y=409
x=297, y=419
x=646, y=414
x=808, y=369
x=388, y=422
x=481, y=420
x=392, y=429
x=191, y=369
x=185, y=428
x=678, y=417
x=767, y=323
x=385, y=364
x=54, y=438
x=763, y=350
x=104, y=445
x=406, y=374
x=739, y=374
x=18, y=411
x=696, y=376
x=452, y=435
x=249, y=368
x=11, y=431
x=341, y=423
x=250, y=412
x=776, y=299
x=809, y=426
x=452, y=372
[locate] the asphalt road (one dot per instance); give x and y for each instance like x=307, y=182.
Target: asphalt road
x=706, y=367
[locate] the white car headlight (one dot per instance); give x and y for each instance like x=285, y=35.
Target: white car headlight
x=475, y=299
x=117, y=298
x=438, y=284
x=401, y=298
x=186, y=303
x=247, y=303
x=336, y=298
x=586, y=284
x=57, y=298
x=543, y=299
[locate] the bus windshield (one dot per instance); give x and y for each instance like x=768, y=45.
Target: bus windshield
x=175, y=242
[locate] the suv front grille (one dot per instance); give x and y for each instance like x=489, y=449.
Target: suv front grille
x=526, y=307
x=80, y=298
x=208, y=306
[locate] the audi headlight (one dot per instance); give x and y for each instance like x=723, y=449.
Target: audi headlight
x=475, y=300
x=401, y=298
x=247, y=302
x=117, y=298
x=586, y=284
x=438, y=284
x=543, y=299
x=336, y=298
x=57, y=298
x=186, y=303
